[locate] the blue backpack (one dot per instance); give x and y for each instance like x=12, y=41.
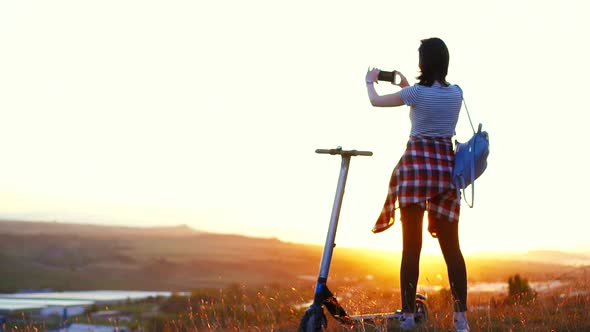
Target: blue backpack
x=471, y=160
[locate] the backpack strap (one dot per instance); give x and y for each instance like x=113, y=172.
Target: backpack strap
x=461, y=181
x=472, y=159
x=466, y=110
x=472, y=182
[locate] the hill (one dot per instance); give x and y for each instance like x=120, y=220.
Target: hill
x=48, y=228
x=77, y=257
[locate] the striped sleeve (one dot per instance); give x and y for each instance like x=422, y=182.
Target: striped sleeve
x=410, y=94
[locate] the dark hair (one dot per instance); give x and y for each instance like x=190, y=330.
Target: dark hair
x=434, y=62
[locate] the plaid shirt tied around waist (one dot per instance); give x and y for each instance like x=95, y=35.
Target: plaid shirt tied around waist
x=423, y=176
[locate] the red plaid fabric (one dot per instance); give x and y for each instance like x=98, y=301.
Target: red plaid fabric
x=423, y=176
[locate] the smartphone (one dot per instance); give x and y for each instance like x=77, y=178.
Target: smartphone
x=389, y=76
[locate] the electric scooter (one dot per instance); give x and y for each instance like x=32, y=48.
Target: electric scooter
x=314, y=319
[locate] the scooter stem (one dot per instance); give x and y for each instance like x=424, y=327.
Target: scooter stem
x=331, y=237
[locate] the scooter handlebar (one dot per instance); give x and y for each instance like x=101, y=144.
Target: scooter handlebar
x=339, y=151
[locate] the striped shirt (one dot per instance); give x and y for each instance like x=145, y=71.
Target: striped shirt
x=434, y=110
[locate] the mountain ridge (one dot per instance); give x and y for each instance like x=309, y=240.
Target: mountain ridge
x=79, y=256
x=55, y=227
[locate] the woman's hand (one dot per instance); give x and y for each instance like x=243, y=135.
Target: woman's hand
x=403, y=82
x=372, y=75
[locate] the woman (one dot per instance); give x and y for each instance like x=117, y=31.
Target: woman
x=422, y=179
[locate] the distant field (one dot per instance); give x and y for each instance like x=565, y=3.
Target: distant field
x=78, y=257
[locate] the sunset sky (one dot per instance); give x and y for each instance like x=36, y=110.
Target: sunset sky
x=208, y=113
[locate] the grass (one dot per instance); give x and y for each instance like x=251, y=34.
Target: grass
x=272, y=308
x=566, y=309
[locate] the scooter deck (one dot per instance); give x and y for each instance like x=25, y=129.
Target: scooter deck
x=377, y=316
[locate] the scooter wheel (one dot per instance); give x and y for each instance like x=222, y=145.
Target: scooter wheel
x=421, y=310
x=314, y=320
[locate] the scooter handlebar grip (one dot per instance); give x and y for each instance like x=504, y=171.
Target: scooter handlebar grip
x=361, y=153
x=327, y=151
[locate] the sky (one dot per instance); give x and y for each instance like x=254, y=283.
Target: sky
x=208, y=113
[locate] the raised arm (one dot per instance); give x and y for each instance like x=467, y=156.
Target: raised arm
x=389, y=100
